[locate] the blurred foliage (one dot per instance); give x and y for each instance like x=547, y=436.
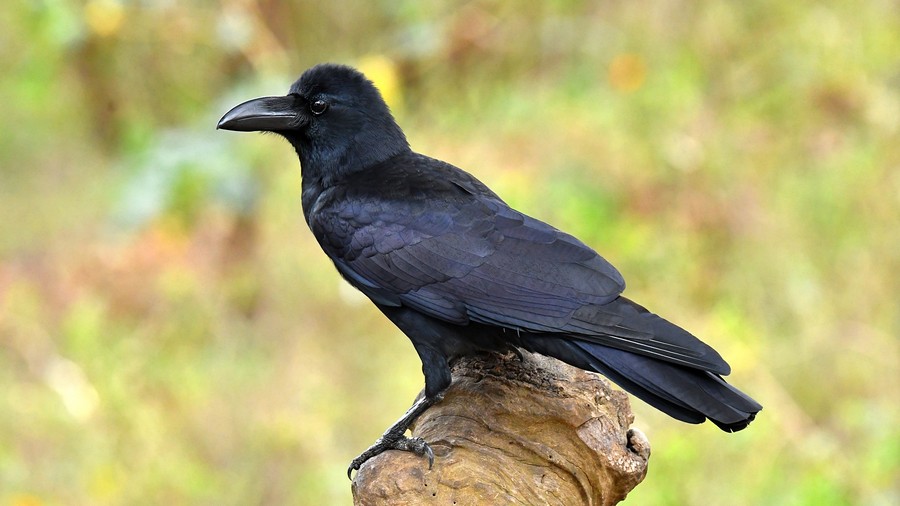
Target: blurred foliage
x=171, y=334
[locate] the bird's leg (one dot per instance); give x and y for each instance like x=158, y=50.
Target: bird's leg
x=394, y=438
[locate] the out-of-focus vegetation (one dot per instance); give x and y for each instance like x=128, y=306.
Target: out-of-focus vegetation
x=171, y=334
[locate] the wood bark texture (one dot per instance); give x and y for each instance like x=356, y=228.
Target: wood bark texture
x=511, y=430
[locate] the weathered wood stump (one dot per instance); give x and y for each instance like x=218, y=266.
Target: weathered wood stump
x=510, y=431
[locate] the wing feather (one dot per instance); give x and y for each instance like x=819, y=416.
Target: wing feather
x=481, y=261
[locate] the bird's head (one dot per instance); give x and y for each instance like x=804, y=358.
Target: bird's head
x=333, y=116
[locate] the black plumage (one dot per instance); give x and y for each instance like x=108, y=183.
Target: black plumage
x=459, y=271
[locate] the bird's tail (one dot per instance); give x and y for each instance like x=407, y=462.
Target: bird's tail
x=687, y=394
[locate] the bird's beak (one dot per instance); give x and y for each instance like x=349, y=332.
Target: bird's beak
x=268, y=114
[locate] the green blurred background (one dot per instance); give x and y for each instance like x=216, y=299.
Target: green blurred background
x=170, y=333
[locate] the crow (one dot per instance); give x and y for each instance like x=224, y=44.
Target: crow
x=461, y=272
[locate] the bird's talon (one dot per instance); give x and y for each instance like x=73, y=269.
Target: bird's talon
x=420, y=447
x=430, y=455
x=414, y=445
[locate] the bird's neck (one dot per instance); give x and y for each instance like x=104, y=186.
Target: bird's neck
x=319, y=174
x=325, y=166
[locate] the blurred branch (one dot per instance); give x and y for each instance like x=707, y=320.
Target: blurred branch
x=510, y=431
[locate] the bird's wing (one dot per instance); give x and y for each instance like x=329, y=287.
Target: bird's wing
x=484, y=262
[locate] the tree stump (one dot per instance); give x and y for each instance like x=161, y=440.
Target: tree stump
x=515, y=431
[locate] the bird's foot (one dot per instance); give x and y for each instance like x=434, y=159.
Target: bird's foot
x=394, y=438
x=393, y=441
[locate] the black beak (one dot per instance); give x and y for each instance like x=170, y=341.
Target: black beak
x=269, y=114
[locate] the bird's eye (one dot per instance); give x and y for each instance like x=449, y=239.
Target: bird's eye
x=318, y=107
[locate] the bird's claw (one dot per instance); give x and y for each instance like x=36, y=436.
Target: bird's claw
x=415, y=445
x=418, y=446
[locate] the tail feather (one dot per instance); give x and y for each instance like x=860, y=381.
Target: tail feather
x=626, y=325
x=684, y=393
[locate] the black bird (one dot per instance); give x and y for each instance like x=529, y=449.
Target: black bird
x=459, y=271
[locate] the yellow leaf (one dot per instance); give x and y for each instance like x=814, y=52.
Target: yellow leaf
x=383, y=72
x=627, y=72
x=104, y=17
